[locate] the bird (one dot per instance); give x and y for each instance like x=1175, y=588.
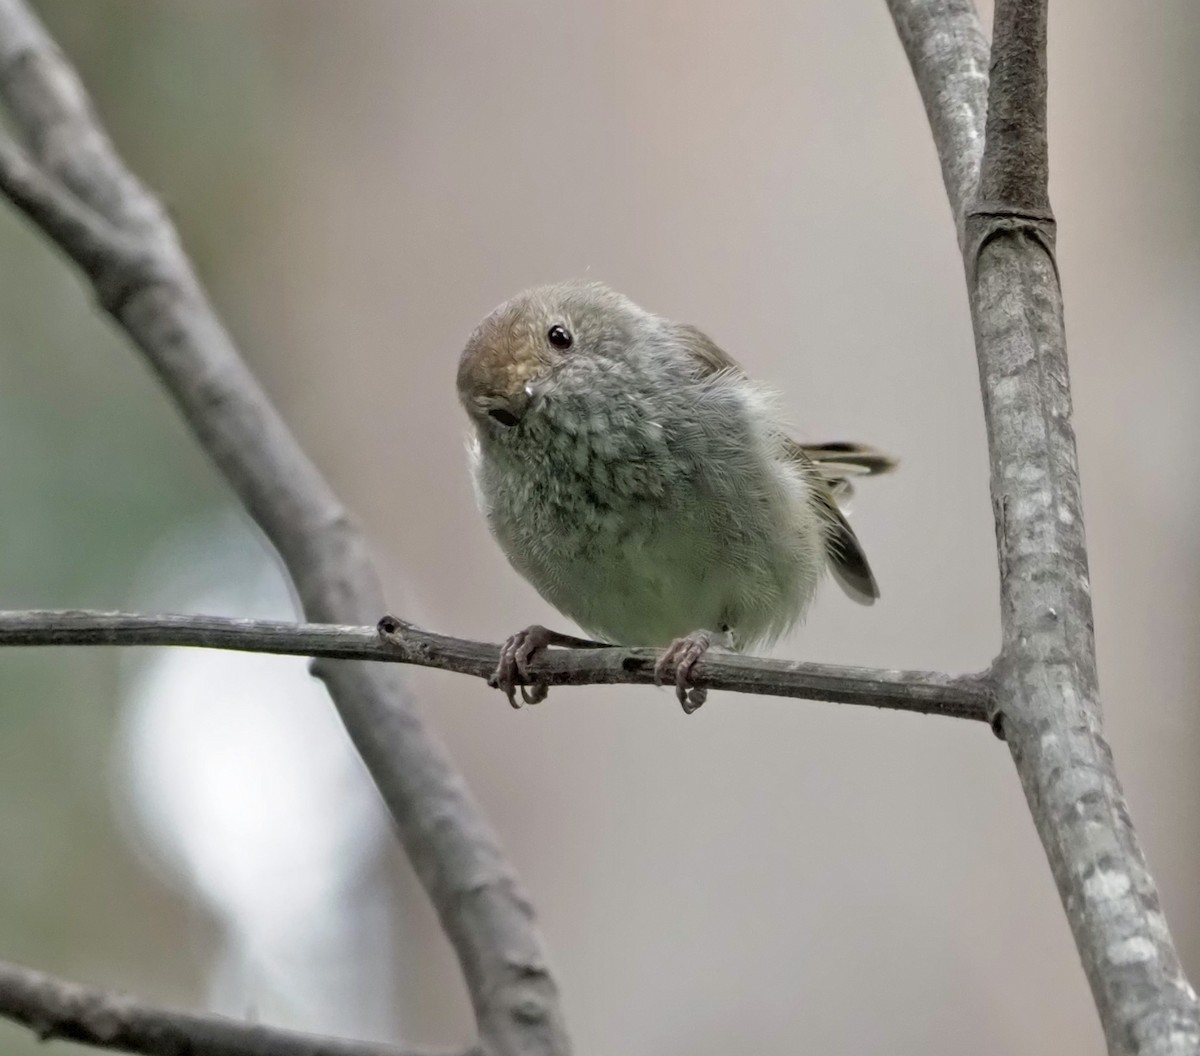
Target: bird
x=646, y=486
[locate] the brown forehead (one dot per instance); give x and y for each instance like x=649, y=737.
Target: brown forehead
x=501, y=354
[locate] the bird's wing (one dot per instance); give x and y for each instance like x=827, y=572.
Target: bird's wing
x=828, y=469
x=710, y=358
x=844, y=552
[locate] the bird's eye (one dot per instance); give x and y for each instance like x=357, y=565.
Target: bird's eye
x=505, y=418
x=559, y=337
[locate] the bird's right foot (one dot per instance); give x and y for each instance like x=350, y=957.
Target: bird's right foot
x=512, y=672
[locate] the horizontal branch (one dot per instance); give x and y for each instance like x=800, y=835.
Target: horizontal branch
x=55, y=1008
x=962, y=696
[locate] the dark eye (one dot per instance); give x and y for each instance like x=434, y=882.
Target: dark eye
x=559, y=337
x=505, y=418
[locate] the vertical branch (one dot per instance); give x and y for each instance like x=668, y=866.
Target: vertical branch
x=1047, y=698
x=149, y=288
x=1015, y=169
x=1046, y=702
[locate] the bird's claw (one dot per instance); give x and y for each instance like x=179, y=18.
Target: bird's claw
x=512, y=672
x=682, y=656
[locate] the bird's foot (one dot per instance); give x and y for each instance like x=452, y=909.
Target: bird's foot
x=682, y=656
x=512, y=672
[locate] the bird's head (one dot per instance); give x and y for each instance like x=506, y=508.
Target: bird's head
x=527, y=345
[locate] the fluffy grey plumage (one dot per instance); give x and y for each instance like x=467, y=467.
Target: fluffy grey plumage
x=643, y=484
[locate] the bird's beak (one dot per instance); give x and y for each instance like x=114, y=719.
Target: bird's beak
x=508, y=410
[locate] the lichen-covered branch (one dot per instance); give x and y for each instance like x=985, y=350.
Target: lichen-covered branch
x=71, y=182
x=927, y=692
x=1046, y=694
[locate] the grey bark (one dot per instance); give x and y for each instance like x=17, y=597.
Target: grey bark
x=965, y=697
x=949, y=55
x=148, y=286
x=1046, y=693
x=55, y=1009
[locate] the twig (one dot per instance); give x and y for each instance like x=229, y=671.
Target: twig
x=143, y=278
x=55, y=1008
x=964, y=696
x=1046, y=695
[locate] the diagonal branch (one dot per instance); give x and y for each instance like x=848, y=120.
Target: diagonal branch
x=55, y=1008
x=964, y=696
x=1047, y=694
x=144, y=280
x=949, y=55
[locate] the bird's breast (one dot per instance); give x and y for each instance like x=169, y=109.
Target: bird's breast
x=647, y=536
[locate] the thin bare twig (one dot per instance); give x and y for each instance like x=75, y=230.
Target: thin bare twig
x=77, y=189
x=54, y=1008
x=1047, y=694
x=964, y=696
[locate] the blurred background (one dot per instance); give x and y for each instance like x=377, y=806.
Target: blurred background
x=358, y=185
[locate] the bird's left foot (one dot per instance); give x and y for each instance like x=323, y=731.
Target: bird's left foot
x=682, y=656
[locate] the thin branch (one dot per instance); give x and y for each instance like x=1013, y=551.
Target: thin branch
x=144, y=280
x=949, y=54
x=964, y=696
x=54, y=1008
x=1047, y=694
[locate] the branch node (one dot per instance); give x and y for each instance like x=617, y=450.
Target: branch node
x=985, y=221
x=389, y=627
x=117, y=280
